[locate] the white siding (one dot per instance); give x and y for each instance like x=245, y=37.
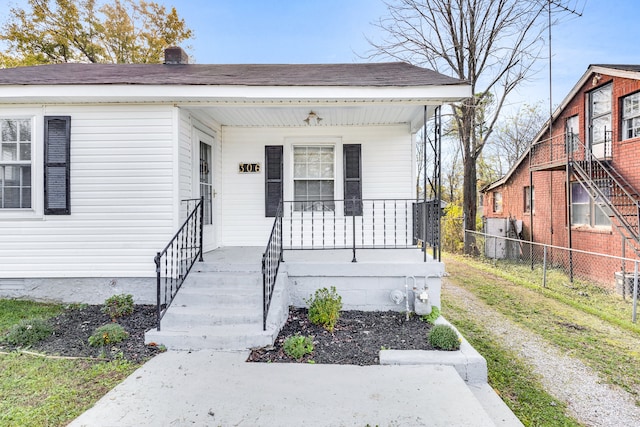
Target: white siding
x=125, y=188
x=122, y=198
x=387, y=171
x=188, y=160
x=186, y=155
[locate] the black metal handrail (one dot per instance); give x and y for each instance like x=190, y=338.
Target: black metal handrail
x=174, y=262
x=623, y=204
x=271, y=259
x=377, y=224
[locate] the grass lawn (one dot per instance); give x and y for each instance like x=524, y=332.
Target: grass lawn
x=583, y=320
x=38, y=391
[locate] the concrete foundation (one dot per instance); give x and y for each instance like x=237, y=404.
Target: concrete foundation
x=366, y=284
x=87, y=290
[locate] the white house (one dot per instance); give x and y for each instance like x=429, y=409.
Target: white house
x=97, y=159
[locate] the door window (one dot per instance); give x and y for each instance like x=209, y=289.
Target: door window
x=206, y=182
x=600, y=118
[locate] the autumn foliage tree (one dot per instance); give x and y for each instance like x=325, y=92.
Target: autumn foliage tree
x=116, y=31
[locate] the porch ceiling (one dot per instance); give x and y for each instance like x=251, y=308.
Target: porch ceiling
x=332, y=115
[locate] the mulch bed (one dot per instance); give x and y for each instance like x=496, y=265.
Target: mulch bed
x=356, y=340
x=73, y=328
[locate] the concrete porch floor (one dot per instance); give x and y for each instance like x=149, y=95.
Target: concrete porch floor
x=253, y=254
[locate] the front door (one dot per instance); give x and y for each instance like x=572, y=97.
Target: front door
x=599, y=109
x=204, y=146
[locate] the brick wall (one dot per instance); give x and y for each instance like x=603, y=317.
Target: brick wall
x=550, y=213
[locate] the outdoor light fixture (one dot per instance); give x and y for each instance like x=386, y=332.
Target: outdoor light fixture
x=596, y=79
x=313, y=119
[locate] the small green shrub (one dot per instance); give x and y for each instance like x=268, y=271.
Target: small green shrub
x=28, y=332
x=431, y=317
x=297, y=346
x=112, y=333
x=118, y=306
x=324, y=308
x=444, y=337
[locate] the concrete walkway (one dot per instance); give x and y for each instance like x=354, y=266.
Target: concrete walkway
x=208, y=388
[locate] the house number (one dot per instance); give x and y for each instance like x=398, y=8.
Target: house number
x=249, y=167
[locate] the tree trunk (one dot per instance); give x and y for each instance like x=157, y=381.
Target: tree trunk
x=470, y=203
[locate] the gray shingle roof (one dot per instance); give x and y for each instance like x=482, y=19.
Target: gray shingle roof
x=365, y=74
x=621, y=67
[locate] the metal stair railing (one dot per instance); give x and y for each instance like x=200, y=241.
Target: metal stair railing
x=174, y=262
x=271, y=259
x=623, y=204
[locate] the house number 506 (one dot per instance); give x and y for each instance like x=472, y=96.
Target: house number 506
x=249, y=167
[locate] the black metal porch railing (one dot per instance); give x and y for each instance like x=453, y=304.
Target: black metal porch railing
x=377, y=224
x=331, y=224
x=174, y=262
x=562, y=148
x=271, y=259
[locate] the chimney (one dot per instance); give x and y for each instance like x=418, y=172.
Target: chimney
x=175, y=55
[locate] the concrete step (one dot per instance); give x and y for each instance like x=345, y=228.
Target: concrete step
x=190, y=317
x=226, y=337
x=247, y=267
x=218, y=298
x=216, y=308
x=224, y=280
x=494, y=406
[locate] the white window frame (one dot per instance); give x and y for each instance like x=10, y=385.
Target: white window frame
x=529, y=195
x=571, y=133
x=498, y=202
x=594, y=212
x=288, y=184
x=598, y=134
x=631, y=116
x=320, y=206
x=37, y=172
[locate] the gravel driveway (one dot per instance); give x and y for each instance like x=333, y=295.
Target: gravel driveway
x=568, y=379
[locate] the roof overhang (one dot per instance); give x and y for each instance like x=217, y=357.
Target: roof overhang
x=260, y=105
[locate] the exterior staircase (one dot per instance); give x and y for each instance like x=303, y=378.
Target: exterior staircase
x=219, y=307
x=607, y=187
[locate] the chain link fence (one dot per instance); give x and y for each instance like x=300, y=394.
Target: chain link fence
x=550, y=265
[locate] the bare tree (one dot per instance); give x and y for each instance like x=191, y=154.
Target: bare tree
x=513, y=134
x=452, y=178
x=492, y=44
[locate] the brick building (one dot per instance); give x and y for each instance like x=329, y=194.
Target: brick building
x=576, y=186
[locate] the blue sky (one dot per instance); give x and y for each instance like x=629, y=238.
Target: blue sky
x=305, y=31
x=321, y=31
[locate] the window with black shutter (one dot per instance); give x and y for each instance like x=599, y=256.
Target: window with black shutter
x=272, y=179
x=352, y=179
x=57, y=143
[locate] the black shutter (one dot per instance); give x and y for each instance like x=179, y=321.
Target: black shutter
x=57, y=143
x=352, y=179
x=272, y=179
